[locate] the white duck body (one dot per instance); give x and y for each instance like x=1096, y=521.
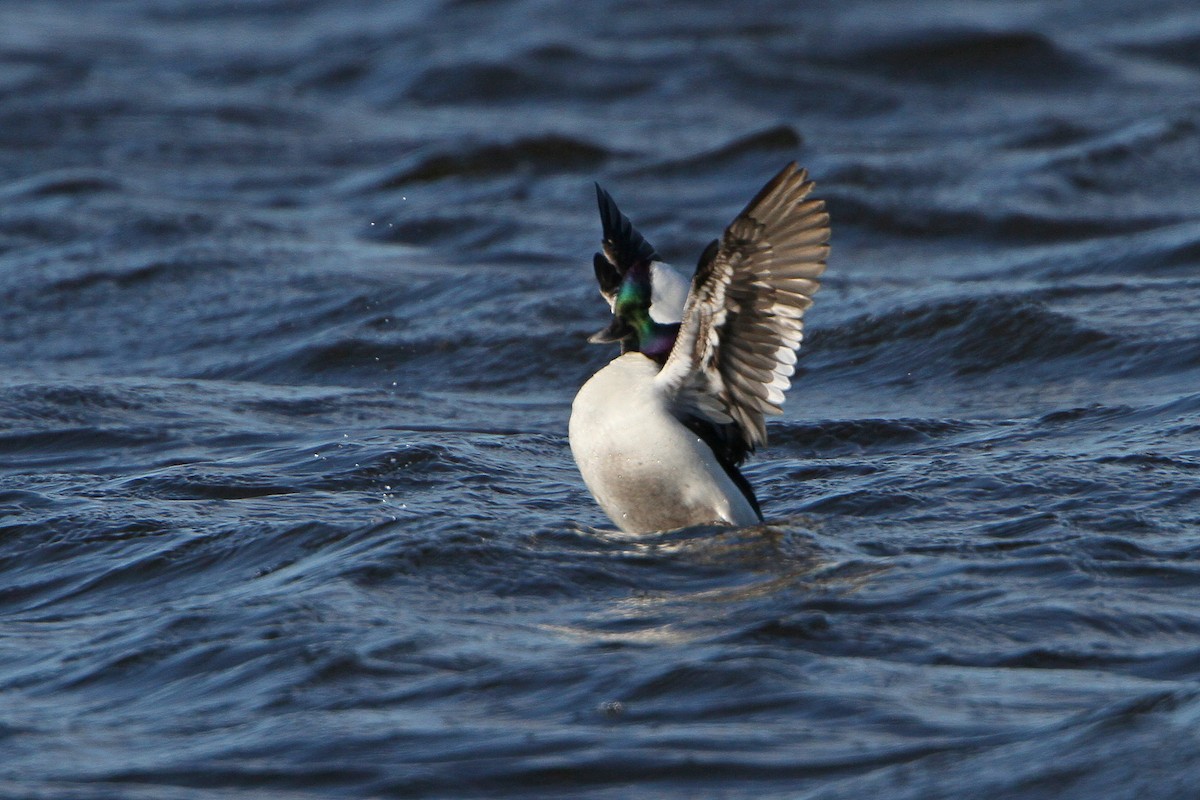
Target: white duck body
x=659, y=433
x=646, y=469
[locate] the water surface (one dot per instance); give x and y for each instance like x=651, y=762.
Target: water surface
x=296, y=295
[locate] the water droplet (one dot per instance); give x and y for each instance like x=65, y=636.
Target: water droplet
x=611, y=708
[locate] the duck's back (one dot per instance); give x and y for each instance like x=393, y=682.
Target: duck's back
x=644, y=467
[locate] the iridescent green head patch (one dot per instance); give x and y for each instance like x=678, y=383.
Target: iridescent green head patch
x=632, y=306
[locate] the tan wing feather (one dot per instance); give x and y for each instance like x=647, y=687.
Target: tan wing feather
x=743, y=321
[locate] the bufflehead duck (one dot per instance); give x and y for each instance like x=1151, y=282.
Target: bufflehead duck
x=659, y=432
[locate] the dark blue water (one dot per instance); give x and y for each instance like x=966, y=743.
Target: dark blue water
x=295, y=299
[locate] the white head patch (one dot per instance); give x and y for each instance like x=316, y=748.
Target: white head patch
x=668, y=293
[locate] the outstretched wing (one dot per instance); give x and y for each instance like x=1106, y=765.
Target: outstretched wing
x=743, y=322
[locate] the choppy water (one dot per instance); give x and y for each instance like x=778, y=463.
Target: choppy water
x=295, y=303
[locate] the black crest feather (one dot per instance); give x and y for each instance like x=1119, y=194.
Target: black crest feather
x=623, y=245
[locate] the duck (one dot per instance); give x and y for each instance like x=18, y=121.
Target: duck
x=659, y=433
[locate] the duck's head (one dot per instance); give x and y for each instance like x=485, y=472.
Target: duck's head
x=635, y=323
x=646, y=296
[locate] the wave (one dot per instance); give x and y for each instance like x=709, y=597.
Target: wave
x=1176, y=46
x=783, y=138
x=60, y=182
x=549, y=73
x=968, y=335
x=541, y=154
x=835, y=437
x=1000, y=59
x=898, y=215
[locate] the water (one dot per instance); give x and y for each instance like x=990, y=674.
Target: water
x=295, y=302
